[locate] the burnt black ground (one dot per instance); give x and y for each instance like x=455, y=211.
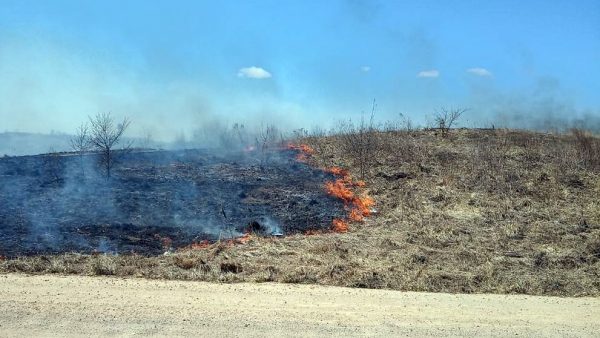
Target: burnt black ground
x=155, y=199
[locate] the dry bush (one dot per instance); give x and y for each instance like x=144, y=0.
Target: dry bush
x=187, y=263
x=81, y=143
x=267, y=138
x=217, y=134
x=103, y=265
x=445, y=118
x=588, y=149
x=359, y=142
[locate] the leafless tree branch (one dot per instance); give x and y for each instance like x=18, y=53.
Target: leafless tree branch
x=105, y=135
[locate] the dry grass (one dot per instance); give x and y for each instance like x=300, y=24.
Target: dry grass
x=478, y=211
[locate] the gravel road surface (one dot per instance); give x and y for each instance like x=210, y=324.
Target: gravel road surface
x=65, y=306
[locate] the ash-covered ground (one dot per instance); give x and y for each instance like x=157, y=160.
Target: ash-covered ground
x=156, y=199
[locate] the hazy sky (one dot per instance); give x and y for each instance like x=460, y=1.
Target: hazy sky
x=173, y=65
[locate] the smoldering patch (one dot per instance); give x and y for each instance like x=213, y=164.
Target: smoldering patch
x=158, y=200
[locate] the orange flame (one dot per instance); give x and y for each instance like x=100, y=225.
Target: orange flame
x=340, y=225
x=339, y=189
x=337, y=171
x=166, y=242
x=305, y=148
x=229, y=243
x=355, y=215
x=244, y=239
x=359, y=206
x=363, y=204
x=305, y=151
x=198, y=246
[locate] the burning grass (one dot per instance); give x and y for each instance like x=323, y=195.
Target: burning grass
x=485, y=211
x=358, y=206
x=160, y=200
x=304, y=151
x=343, y=188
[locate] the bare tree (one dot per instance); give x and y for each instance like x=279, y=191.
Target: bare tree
x=360, y=141
x=241, y=134
x=105, y=135
x=445, y=118
x=266, y=138
x=81, y=143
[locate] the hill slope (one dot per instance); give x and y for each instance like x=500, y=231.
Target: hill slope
x=475, y=212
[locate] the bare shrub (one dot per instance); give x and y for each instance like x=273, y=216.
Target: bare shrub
x=588, y=148
x=240, y=133
x=403, y=124
x=299, y=134
x=445, y=118
x=103, y=265
x=228, y=137
x=317, y=131
x=359, y=142
x=220, y=135
x=81, y=143
x=267, y=138
x=187, y=263
x=105, y=135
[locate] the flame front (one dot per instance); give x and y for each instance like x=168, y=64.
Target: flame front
x=201, y=245
x=359, y=206
x=228, y=243
x=305, y=151
x=339, y=188
x=340, y=225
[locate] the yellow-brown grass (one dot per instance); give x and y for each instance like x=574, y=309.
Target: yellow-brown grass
x=478, y=211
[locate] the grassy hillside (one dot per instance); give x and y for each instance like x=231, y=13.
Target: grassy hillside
x=492, y=211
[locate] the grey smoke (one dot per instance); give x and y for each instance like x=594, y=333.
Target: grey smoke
x=545, y=106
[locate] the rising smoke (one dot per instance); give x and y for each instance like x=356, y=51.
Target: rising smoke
x=545, y=106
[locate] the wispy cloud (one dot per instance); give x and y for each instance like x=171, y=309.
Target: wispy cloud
x=429, y=73
x=253, y=73
x=365, y=69
x=479, y=71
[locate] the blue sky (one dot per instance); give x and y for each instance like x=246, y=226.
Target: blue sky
x=174, y=65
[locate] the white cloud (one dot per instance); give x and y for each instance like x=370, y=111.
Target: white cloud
x=253, y=73
x=365, y=69
x=429, y=73
x=479, y=71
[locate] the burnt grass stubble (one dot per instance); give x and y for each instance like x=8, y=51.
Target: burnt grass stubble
x=474, y=211
x=156, y=200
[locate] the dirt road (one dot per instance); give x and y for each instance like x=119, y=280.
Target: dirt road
x=84, y=306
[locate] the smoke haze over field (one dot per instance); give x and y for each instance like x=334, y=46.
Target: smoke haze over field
x=178, y=66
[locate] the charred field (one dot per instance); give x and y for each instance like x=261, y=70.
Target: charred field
x=157, y=201
x=470, y=211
